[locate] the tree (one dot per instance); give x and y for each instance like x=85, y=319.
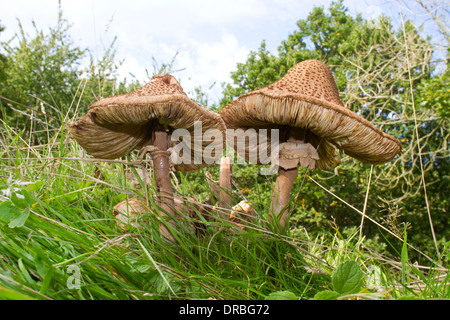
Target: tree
x=3, y=61
x=45, y=82
x=320, y=36
x=42, y=70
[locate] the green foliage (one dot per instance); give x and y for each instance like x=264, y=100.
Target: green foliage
x=281, y=295
x=16, y=209
x=347, y=283
x=70, y=226
x=434, y=94
x=327, y=295
x=347, y=280
x=42, y=69
x=3, y=61
x=259, y=70
x=321, y=36
x=45, y=81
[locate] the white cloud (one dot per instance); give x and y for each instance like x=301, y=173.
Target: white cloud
x=202, y=63
x=207, y=63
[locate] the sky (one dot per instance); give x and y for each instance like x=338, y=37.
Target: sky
x=208, y=37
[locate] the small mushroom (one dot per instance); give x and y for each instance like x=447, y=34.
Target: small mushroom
x=146, y=119
x=245, y=211
x=129, y=211
x=313, y=125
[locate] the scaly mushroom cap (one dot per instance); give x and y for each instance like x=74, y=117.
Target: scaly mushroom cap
x=307, y=97
x=116, y=125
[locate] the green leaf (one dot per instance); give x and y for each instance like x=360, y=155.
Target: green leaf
x=8, y=211
x=22, y=199
x=14, y=216
x=70, y=197
x=281, y=295
x=347, y=278
x=326, y=295
x=20, y=219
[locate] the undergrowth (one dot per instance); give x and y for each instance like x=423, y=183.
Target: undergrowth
x=60, y=240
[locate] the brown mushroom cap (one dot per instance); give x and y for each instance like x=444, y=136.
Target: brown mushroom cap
x=307, y=97
x=118, y=124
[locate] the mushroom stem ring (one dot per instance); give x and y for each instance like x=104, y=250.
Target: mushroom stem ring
x=293, y=154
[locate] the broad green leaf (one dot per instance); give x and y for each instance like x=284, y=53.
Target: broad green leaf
x=347, y=278
x=14, y=216
x=281, y=295
x=326, y=295
x=8, y=211
x=21, y=199
x=19, y=220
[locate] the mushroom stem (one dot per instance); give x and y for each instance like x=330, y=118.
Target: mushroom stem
x=285, y=180
x=281, y=195
x=225, y=183
x=162, y=179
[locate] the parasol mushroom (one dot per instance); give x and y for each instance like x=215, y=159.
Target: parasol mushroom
x=313, y=125
x=148, y=119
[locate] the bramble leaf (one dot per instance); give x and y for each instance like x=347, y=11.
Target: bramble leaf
x=281, y=295
x=347, y=278
x=326, y=295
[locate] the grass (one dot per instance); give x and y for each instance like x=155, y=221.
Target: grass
x=59, y=240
